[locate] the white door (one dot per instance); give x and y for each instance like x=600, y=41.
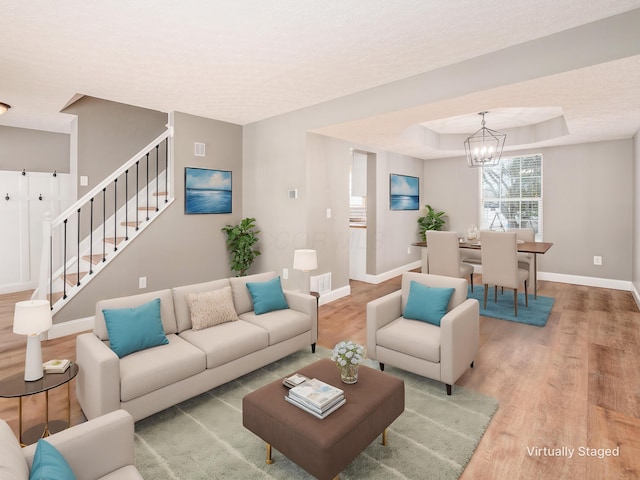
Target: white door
x=30, y=197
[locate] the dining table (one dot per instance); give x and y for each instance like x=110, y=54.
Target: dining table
x=536, y=248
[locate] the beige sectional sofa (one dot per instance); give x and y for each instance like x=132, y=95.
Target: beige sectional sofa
x=193, y=361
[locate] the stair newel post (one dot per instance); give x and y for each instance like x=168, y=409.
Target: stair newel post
x=115, y=215
x=78, y=247
x=157, y=176
x=137, y=194
x=126, y=201
x=147, y=190
x=166, y=169
x=91, y=237
x=64, y=261
x=104, y=224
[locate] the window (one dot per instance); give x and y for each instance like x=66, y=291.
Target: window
x=511, y=194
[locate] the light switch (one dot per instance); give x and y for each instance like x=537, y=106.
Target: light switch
x=84, y=180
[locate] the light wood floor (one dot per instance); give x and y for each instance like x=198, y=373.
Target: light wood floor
x=574, y=384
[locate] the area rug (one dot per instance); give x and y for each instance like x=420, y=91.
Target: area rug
x=203, y=438
x=536, y=313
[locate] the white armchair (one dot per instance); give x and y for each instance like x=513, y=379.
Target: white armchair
x=443, y=352
x=100, y=448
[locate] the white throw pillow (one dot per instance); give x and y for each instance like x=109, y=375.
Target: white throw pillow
x=211, y=308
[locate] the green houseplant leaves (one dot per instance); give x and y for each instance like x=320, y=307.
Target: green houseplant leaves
x=431, y=221
x=241, y=239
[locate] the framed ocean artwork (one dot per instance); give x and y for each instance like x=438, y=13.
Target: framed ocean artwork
x=404, y=192
x=207, y=191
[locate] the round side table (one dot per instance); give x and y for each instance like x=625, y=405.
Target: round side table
x=16, y=386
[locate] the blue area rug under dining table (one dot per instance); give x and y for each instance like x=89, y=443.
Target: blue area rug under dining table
x=536, y=313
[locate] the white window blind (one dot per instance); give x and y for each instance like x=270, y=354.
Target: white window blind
x=511, y=194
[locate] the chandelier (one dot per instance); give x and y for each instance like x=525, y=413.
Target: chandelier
x=484, y=148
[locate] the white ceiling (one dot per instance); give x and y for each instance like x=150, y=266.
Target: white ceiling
x=242, y=61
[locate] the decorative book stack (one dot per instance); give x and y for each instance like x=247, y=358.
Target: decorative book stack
x=56, y=366
x=316, y=397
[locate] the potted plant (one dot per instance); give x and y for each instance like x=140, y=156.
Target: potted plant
x=240, y=241
x=431, y=221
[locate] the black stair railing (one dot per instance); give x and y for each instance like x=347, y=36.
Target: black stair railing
x=115, y=203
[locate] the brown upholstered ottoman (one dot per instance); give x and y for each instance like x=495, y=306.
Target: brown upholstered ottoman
x=325, y=447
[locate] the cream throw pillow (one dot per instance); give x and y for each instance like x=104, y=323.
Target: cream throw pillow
x=211, y=308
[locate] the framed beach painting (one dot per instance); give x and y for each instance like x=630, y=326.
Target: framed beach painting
x=207, y=191
x=404, y=192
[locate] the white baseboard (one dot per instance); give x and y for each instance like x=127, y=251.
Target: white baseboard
x=580, y=280
x=18, y=287
x=70, y=328
x=587, y=281
x=636, y=295
x=334, y=295
x=382, y=277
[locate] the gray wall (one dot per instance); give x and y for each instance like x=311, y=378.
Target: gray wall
x=177, y=249
x=395, y=231
x=33, y=150
x=588, y=207
x=109, y=134
x=388, y=233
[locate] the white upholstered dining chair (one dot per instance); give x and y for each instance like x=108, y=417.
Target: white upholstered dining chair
x=525, y=260
x=500, y=265
x=443, y=256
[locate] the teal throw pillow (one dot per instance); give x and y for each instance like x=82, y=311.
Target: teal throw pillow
x=49, y=464
x=427, y=304
x=134, y=329
x=267, y=296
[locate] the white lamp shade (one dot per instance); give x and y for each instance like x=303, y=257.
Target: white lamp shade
x=32, y=317
x=305, y=260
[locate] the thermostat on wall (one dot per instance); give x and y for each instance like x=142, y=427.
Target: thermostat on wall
x=293, y=193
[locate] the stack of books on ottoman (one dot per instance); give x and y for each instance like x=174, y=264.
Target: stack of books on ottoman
x=316, y=397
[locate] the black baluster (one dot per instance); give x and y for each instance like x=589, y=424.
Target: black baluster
x=91, y=239
x=104, y=224
x=78, y=262
x=51, y=269
x=137, y=194
x=64, y=262
x=147, y=208
x=115, y=215
x=126, y=201
x=157, y=175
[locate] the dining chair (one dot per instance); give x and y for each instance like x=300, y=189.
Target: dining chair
x=525, y=260
x=443, y=256
x=500, y=265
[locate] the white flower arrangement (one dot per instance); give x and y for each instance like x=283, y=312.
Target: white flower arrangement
x=348, y=353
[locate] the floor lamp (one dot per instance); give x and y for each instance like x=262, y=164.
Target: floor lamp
x=305, y=260
x=31, y=318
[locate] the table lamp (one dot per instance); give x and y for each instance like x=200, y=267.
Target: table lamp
x=32, y=317
x=305, y=260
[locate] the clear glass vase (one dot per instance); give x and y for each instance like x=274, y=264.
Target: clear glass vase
x=349, y=374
